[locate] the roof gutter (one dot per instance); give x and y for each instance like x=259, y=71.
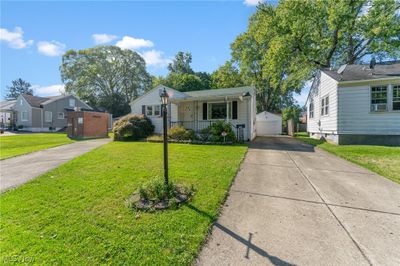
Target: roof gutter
x=367, y=80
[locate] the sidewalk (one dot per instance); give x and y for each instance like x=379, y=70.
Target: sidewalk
x=19, y=170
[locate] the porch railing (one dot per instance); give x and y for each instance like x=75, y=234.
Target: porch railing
x=197, y=126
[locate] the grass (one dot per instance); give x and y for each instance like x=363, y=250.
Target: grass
x=384, y=160
x=77, y=213
x=11, y=146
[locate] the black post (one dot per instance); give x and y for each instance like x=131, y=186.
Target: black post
x=165, y=146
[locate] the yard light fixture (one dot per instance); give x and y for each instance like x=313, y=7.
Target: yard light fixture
x=164, y=99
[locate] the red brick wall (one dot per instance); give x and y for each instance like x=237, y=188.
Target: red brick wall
x=95, y=124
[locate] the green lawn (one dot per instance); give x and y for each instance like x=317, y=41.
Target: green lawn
x=77, y=214
x=383, y=160
x=11, y=146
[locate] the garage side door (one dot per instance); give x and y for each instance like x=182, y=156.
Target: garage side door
x=264, y=128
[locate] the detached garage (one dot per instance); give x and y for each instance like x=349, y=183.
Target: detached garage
x=268, y=124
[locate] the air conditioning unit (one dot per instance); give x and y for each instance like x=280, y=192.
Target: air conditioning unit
x=379, y=107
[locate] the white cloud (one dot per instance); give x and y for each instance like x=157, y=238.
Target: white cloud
x=132, y=43
x=52, y=48
x=155, y=58
x=14, y=38
x=103, y=38
x=50, y=90
x=252, y=2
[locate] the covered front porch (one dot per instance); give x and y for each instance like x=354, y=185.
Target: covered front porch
x=198, y=114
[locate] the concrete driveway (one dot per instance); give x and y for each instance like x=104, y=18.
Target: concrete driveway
x=292, y=204
x=19, y=170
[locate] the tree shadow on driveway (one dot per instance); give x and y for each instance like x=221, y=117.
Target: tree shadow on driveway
x=250, y=246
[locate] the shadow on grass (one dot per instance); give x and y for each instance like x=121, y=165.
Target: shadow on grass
x=250, y=246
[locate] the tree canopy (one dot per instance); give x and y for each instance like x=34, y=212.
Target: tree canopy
x=284, y=45
x=182, y=77
x=18, y=87
x=105, y=76
x=226, y=76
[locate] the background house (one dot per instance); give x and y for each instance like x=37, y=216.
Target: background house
x=357, y=104
x=40, y=114
x=198, y=109
x=7, y=114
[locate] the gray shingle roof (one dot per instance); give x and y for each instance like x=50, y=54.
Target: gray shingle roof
x=7, y=105
x=363, y=72
x=34, y=101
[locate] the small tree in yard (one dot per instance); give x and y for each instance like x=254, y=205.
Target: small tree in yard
x=133, y=127
x=292, y=112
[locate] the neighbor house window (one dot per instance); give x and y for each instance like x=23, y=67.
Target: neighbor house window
x=24, y=116
x=378, y=98
x=61, y=116
x=396, y=97
x=221, y=110
x=325, y=106
x=71, y=102
x=311, y=109
x=48, y=116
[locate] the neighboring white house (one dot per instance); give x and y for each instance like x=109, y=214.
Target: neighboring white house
x=268, y=124
x=198, y=109
x=357, y=104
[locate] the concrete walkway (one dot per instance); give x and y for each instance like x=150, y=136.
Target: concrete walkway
x=292, y=204
x=18, y=170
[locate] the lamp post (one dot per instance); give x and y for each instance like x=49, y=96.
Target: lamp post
x=164, y=100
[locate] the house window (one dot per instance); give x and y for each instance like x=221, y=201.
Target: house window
x=221, y=110
x=157, y=109
x=149, y=110
x=24, y=116
x=61, y=116
x=396, y=97
x=378, y=98
x=71, y=102
x=153, y=110
x=325, y=106
x=311, y=109
x=48, y=116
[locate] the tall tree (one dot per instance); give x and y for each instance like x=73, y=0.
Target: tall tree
x=18, y=87
x=181, y=63
x=314, y=34
x=105, y=76
x=226, y=76
x=182, y=77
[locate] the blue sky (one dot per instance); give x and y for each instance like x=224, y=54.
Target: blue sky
x=35, y=34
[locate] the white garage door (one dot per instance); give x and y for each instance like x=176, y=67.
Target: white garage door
x=264, y=128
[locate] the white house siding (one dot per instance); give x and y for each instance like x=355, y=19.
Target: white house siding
x=328, y=123
x=355, y=116
x=153, y=98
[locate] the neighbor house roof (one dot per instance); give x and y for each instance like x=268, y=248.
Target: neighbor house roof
x=364, y=72
x=34, y=101
x=7, y=105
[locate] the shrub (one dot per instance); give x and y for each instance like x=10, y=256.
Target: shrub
x=20, y=126
x=132, y=127
x=215, y=130
x=180, y=133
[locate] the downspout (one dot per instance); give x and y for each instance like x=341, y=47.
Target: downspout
x=41, y=119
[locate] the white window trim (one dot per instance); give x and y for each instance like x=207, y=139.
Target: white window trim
x=69, y=102
x=229, y=110
x=388, y=105
x=392, y=93
x=324, y=106
x=153, y=110
x=63, y=115
x=51, y=117
x=313, y=110
x=22, y=116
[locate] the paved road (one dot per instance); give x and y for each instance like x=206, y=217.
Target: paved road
x=18, y=170
x=293, y=205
